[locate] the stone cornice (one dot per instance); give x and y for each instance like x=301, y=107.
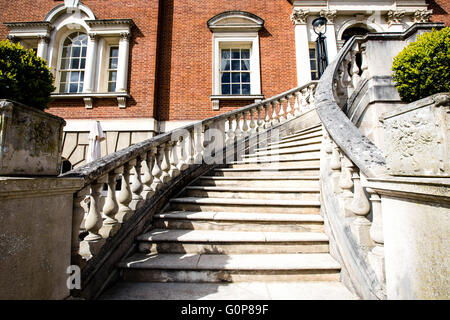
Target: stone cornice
x=110, y=22
x=28, y=25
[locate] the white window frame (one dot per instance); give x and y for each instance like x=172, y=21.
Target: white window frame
x=49, y=35
x=230, y=41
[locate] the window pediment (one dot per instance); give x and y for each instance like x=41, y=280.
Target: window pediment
x=235, y=21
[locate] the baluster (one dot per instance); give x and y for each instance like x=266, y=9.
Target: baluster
x=147, y=179
x=165, y=164
x=312, y=100
x=173, y=171
x=237, y=130
x=252, y=122
x=346, y=185
x=110, y=208
x=335, y=165
x=183, y=154
x=136, y=185
x=260, y=121
x=245, y=125
x=376, y=256
x=93, y=241
x=274, y=113
x=347, y=79
x=267, y=122
x=80, y=208
x=304, y=106
x=364, y=63
x=125, y=195
x=230, y=133
x=297, y=104
x=156, y=172
x=282, y=113
x=354, y=68
x=289, y=114
x=190, y=145
x=328, y=143
x=360, y=207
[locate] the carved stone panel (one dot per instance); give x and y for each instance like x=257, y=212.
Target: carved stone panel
x=417, y=138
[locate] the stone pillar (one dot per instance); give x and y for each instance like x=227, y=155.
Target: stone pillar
x=42, y=48
x=36, y=233
x=122, y=70
x=300, y=18
x=88, y=85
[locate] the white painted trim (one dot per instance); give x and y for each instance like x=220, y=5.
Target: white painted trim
x=250, y=39
x=135, y=124
x=353, y=22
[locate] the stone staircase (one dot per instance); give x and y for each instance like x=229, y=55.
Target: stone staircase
x=254, y=220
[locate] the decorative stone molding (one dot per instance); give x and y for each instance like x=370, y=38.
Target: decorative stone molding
x=422, y=15
x=329, y=14
x=122, y=101
x=300, y=16
x=46, y=39
x=88, y=102
x=93, y=36
x=125, y=36
x=395, y=16
x=417, y=141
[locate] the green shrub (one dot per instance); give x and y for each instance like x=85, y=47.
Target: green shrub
x=24, y=77
x=423, y=67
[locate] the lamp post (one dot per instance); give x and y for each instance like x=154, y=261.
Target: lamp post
x=320, y=28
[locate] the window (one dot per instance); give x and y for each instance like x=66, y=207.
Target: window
x=313, y=61
x=235, y=57
x=112, y=68
x=73, y=62
x=235, y=71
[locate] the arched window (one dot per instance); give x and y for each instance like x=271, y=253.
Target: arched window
x=73, y=62
x=354, y=31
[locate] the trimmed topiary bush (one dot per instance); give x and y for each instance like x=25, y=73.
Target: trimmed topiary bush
x=423, y=67
x=24, y=77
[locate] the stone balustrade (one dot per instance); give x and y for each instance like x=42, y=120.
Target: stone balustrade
x=145, y=168
x=350, y=159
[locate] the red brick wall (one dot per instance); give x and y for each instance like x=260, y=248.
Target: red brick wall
x=186, y=79
x=141, y=77
x=441, y=10
x=180, y=82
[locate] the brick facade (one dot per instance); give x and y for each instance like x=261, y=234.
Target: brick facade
x=170, y=71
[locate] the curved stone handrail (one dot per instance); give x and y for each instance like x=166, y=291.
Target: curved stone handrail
x=364, y=154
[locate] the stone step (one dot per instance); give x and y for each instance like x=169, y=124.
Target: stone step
x=244, y=205
x=237, y=221
x=299, y=138
x=296, y=290
x=155, y=267
x=270, y=171
x=284, y=151
x=231, y=242
x=301, y=160
x=257, y=182
x=297, y=143
x=253, y=193
x=300, y=133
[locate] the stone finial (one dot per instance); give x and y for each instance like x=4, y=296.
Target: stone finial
x=394, y=16
x=422, y=15
x=299, y=16
x=329, y=14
